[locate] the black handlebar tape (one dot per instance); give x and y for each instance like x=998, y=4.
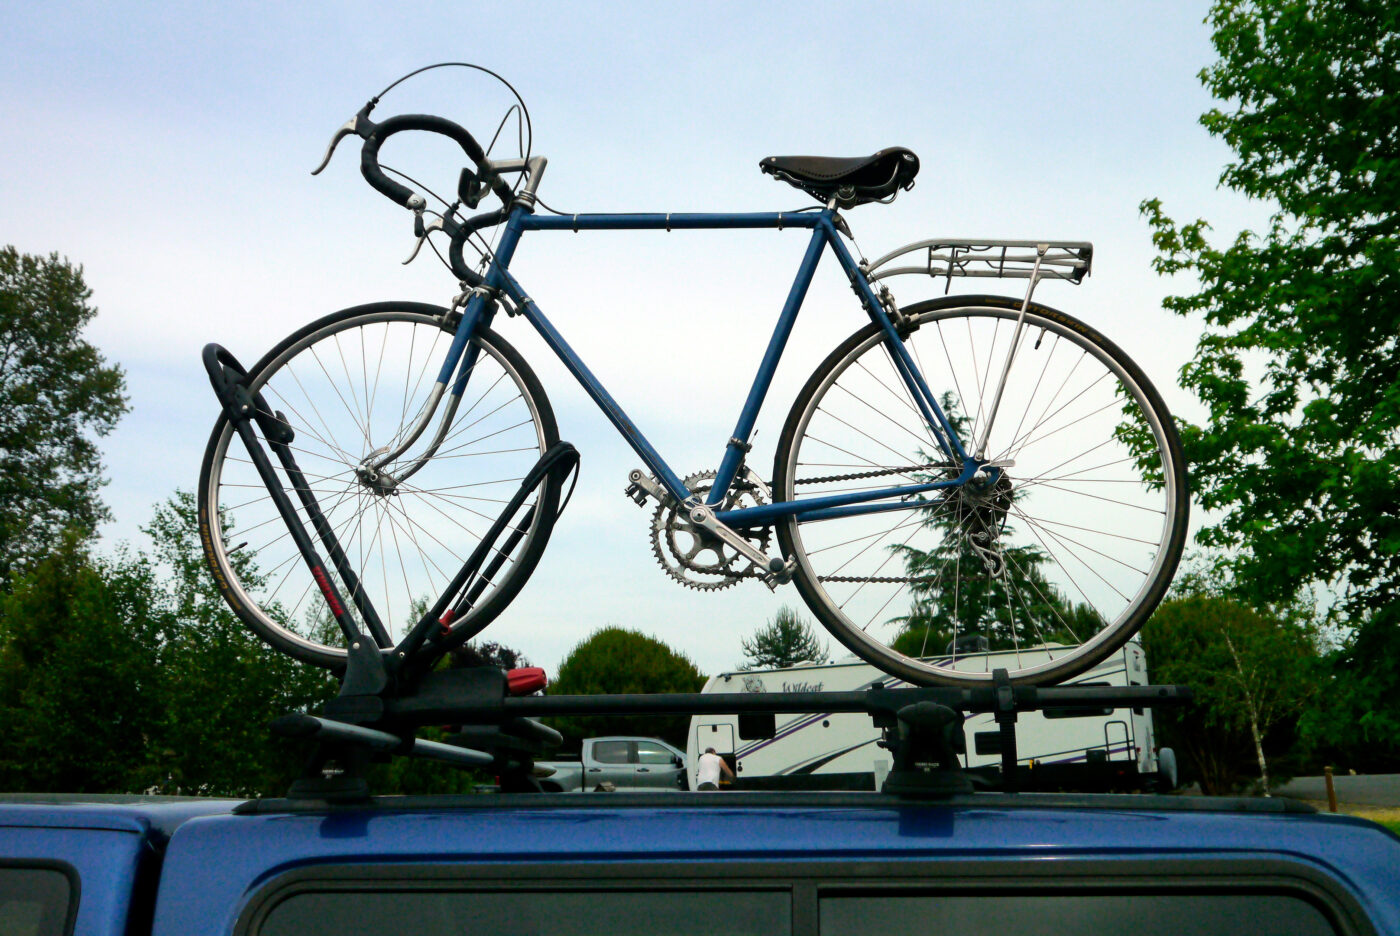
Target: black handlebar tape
x=369, y=154
x=459, y=239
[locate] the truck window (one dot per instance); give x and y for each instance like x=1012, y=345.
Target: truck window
x=1118, y=914
x=532, y=913
x=610, y=752
x=34, y=902
x=651, y=753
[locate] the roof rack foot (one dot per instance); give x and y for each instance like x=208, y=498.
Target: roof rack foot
x=926, y=743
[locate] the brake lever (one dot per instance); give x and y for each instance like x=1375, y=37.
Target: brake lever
x=360, y=125
x=424, y=231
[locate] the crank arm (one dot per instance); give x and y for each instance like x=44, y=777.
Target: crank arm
x=775, y=570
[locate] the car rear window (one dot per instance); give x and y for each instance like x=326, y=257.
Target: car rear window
x=1150, y=897
x=1057, y=914
x=532, y=913
x=34, y=902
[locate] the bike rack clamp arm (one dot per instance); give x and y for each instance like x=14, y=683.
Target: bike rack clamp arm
x=229, y=379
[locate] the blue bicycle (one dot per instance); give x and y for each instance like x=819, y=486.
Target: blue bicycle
x=963, y=475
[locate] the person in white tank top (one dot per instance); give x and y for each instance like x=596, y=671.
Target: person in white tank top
x=709, y=769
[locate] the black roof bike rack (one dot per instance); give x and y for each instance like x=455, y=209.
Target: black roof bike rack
x=388, y=693
x=497, y=730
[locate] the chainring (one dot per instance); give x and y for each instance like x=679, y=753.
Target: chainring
x=693, y=555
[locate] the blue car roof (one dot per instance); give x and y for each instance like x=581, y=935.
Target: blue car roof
x=268, y=838
x=158, y=816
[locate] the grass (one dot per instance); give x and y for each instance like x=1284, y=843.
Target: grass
x=1388, y=816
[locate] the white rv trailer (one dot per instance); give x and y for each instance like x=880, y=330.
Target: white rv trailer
x=1073, y=749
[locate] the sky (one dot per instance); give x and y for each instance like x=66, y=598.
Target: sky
x=168, y=149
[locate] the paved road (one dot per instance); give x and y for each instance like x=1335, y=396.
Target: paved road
x=1367, y=790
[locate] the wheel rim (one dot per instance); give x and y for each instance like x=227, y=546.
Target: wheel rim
x=404, y=545
x=1069, y=557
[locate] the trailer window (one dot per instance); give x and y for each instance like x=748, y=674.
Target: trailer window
x=1115, y=914
x=532, y=913
x=34, y=902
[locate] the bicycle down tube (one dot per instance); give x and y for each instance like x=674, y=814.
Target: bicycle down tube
x=480, y=310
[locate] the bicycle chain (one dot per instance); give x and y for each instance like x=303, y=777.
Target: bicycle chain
x=879, y=579
x=730, y=577
x=876, y=580
x=881, y=472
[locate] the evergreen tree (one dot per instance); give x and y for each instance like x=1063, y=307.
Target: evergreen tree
x=972, y=583
x=56, y=394
x=786, y=640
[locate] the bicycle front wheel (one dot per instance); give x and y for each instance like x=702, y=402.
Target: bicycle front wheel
x=1042, y=567
x=350, y=386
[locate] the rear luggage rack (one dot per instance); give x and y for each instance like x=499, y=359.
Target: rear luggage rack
x=997, y=259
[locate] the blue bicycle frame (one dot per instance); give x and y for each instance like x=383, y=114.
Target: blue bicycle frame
x=480, y=310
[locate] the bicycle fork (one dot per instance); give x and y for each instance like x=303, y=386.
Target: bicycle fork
x=371, y=471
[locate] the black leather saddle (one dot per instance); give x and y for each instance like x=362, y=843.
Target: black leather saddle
x=852, y=181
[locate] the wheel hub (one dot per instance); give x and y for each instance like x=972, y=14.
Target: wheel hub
x=377, y=481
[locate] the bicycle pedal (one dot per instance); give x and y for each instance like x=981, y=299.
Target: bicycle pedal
x=640, y=487
x=779, y=573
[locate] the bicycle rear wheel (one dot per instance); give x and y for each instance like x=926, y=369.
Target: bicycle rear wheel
x=349, y=385
x=1043, y=570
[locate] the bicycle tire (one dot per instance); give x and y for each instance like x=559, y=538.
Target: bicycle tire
x=1080, y=570
x=269, y=587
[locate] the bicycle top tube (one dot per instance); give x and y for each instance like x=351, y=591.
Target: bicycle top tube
x=673, y=221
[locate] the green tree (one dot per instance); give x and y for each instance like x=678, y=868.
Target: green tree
x=1354, y=719
x=488, y=653
x=1252, y=673
x=221, y=685
x=1298, y=366
x=56, y=395
x=621, y=661
x=786, y=640
x=128, y=673
x=79, y=674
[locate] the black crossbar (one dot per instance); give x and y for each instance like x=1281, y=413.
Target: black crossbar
x=875, y=702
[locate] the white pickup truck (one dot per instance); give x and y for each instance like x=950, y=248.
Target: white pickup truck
x=642, y=765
